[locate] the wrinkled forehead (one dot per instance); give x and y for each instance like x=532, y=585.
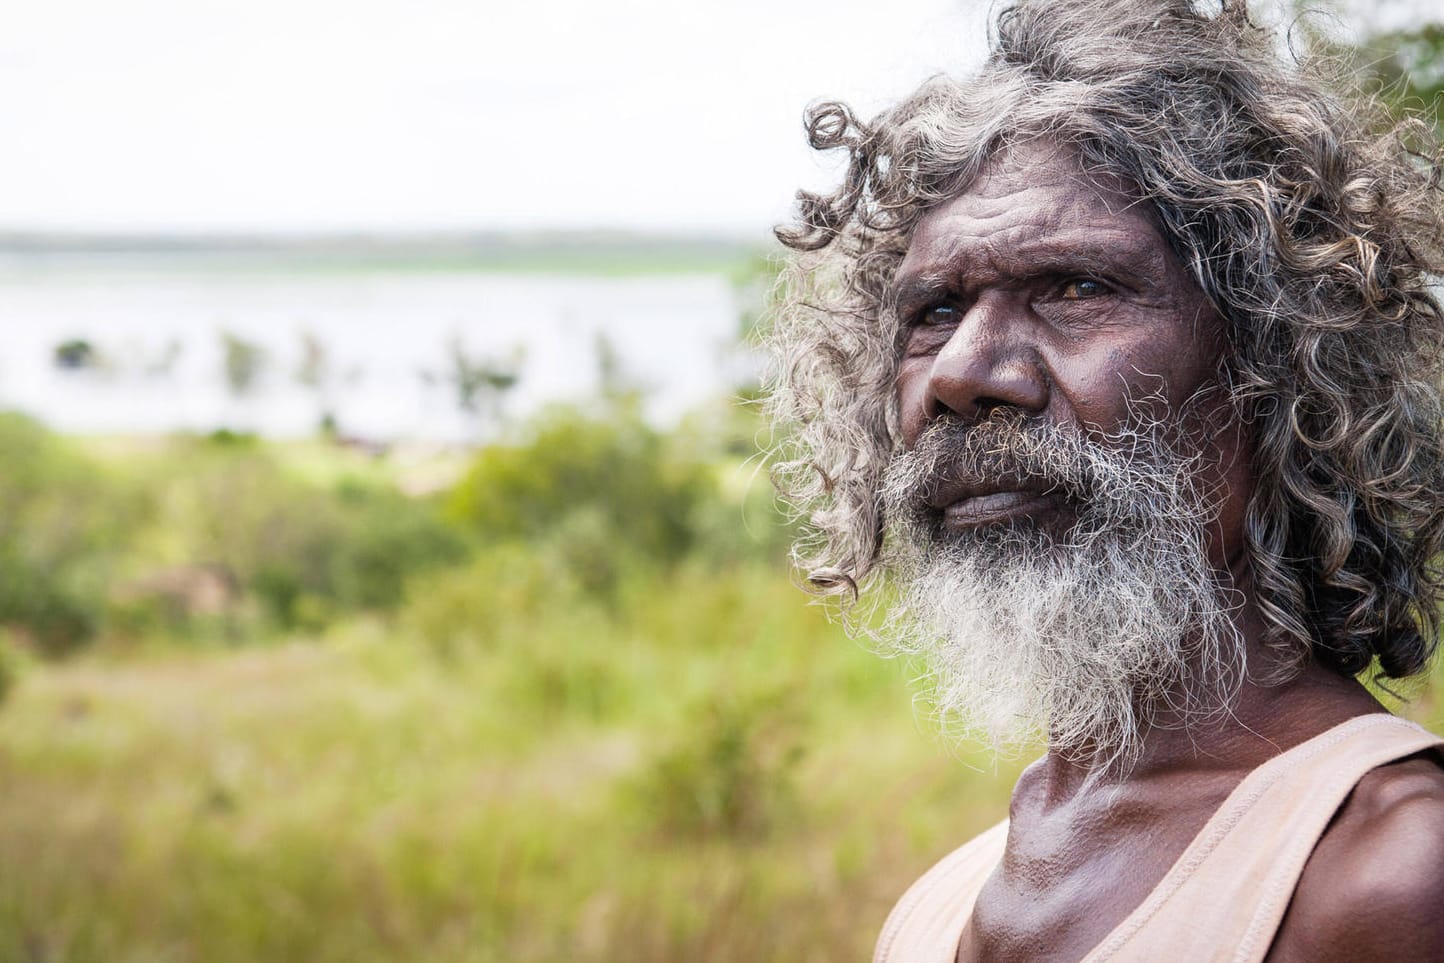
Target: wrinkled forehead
x=1033, y=202
x=1009, y=169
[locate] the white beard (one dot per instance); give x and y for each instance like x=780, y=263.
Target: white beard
x=1086, y=636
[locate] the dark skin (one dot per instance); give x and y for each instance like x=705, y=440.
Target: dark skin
x=1044, y=289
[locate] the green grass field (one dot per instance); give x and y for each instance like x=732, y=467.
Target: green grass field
x=712, y=773
x=567, y=706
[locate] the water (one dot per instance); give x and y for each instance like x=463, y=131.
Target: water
x=381, y=360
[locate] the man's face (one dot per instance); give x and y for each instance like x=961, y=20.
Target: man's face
x=1071, y=487
x=1050, y=294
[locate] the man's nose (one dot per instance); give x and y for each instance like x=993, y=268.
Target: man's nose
x=991, y=361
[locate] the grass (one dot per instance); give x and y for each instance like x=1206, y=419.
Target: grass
x=414, y=468
x=758, y=790
x=704, y=769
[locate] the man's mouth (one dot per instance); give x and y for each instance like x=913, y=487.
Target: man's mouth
x=998, y=507
x=964, y=507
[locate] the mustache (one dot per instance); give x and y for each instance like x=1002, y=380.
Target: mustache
x=953, y=457
x=1115, y=476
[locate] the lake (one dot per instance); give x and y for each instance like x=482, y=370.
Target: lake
x=376, y=349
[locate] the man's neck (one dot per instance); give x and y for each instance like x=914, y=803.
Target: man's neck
x=1260, y=720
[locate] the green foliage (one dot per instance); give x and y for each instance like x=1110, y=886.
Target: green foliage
x=220, y=538
x=10, y=667
x=671, y=778
x=60, y=519
x=488, y=603
x=75, y=354
x=481, y=382
x=206, y=538
x=602, y=494
x=742, y=520
x=230, y=438
x=1408, y=67
x=242, y=362
x=1404, y=68
x=307, y=553
x=731, y=770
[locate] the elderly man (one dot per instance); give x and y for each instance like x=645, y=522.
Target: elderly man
x=1121, y=357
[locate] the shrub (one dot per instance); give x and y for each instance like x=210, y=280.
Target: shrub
x=11, y=661
x=62, y=523
x=499, y=597
x=731, y=772
x=608, y=492
x=306, y=552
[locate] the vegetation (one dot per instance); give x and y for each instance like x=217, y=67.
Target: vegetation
x=60, y=519
x=202, y=539
x=583, y=784
x=244, y=361
x=555, y=699
x=568, y=707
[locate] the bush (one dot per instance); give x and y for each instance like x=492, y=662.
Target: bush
x=63, y=522
x=498, y=598
x=10, y=667
x=305, y=552
x=608, y=493
x=209, y=538
x=732, y=772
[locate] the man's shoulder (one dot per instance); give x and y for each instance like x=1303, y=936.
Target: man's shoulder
x=1374, y=885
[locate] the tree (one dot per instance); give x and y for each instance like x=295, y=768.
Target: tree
x=481, y=382
x=76, y=354
x=243, y=362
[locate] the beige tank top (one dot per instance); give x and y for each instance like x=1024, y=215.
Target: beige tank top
x=1224, y=898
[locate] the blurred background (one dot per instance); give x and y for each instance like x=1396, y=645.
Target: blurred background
x=388, y=569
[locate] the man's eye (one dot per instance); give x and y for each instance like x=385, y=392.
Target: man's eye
x=939, y=315
x=1081, y=289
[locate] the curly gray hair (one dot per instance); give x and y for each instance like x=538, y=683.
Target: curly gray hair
x=1313, y=225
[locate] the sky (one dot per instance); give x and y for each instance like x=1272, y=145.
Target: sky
x=417, y=115
x=441, y=115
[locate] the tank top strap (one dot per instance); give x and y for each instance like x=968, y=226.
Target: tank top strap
x=927, y=923
x=1224, y=898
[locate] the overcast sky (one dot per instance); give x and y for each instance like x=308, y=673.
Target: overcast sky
x=437, y=114
x=383, y=115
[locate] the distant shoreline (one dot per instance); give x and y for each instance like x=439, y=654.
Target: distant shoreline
x=598, y=253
